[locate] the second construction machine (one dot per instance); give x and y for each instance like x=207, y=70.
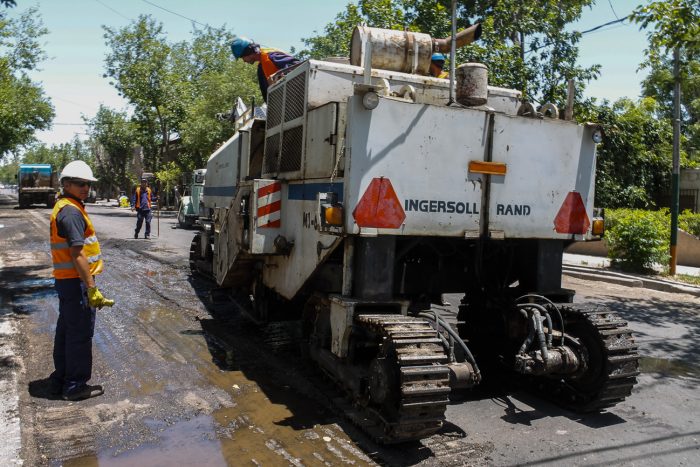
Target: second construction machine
x=368, y=191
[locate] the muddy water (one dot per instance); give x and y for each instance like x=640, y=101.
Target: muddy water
x=185, y=387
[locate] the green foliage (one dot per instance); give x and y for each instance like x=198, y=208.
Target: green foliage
x=112, y=136
x=24, y=108
x=670, y=24
x=168, y=176
x=525, y=44
x=8, y=172
x=659, y=85
x=674, y=24
x=637, y=239
x=177, y=89
x=58, y=155
x=216, y=84
x=690, y=222
x=634, y=160
x=141, y=70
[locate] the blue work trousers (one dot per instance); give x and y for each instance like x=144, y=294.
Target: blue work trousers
x=141, y=215
x=72, y=346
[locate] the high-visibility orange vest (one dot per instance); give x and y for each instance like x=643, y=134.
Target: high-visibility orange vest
x=268, y=66
x=138, y=197
x=63, y=266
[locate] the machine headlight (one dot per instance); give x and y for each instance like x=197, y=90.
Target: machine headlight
x=597, y=136
x=370, y=100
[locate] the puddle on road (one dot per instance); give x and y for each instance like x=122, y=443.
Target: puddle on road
x=190, y=442
x=30, y=284
x=667, y=367
x=242, y=410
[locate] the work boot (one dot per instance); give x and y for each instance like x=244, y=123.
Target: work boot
x=55, y=386
x=85, y=391
x=136, y=235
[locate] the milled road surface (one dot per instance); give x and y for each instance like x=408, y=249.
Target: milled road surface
x=190, y=381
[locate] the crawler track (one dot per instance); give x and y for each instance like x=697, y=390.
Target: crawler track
x=613, y=361
x=409, y=381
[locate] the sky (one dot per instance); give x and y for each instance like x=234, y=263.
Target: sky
x=72, y=76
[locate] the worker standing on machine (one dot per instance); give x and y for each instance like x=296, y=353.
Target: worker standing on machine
x=437, y=63
x=76, y=257
x=269, y=60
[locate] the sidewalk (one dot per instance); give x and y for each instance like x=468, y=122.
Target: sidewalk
x=598, y=268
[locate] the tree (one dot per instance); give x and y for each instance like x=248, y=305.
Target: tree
x=674, y=24
x=525, y=44
x=139, y=65
x=177, y=89
x=634, y=159
x=216, y=82
x=659, y=85
x=58, y=155
x=24, y=108
x=112, y=137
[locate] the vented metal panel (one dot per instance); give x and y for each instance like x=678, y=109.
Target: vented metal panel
x=294, y=100
x=274, y=107
x=292, y=142
x=272, y=145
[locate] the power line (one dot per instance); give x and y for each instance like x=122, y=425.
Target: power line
x=176, y=14
x=113, y=10
x=619, y=20
x=71, y=124
x=613, y=9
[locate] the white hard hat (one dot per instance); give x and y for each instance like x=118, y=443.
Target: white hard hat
x=79, y=170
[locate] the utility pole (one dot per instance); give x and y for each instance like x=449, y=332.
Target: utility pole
x=675, y=176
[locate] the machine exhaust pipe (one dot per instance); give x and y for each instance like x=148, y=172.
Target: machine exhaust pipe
x=462, y=38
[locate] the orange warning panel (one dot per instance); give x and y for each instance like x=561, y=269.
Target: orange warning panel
x=490, y=168
x=379, y=206
x=572, y=217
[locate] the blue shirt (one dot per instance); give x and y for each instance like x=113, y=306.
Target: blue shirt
x=143, y=202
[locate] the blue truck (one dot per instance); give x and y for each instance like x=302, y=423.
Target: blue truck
x=36, y=184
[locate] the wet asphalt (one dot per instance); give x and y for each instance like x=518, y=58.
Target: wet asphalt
x=191, y=381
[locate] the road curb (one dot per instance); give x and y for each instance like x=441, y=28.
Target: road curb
x=613, y=277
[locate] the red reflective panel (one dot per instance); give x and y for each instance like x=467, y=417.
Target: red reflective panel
x=572, y=217
x=379, y=207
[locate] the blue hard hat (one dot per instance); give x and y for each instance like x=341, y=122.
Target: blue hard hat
x=238, y=45
x=437, y=57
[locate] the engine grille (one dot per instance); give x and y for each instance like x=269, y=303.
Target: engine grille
x=294, y=99
x=292, y=142
x=272, y=147
x=286, y=104
x=274, y=107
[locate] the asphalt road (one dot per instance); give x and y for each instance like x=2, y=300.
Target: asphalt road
x=189, y=381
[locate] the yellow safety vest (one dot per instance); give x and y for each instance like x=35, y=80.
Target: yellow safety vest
x=63, y=266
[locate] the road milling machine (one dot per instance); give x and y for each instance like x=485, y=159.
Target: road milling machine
x=369, y=189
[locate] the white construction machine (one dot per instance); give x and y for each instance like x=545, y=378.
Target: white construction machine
x=369, y=190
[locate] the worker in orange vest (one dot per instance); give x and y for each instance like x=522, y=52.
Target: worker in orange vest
x=141, y=202
x=77, y=259
x=270, y=61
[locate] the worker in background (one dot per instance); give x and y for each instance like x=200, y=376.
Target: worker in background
x=437, y=63
x=269, y=60
x=76, y=257
x=141, y=202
